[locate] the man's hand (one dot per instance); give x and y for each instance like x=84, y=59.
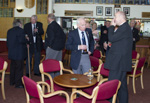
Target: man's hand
x=105, y=45
x=35, y=30
x=82, y=47
x=89, y=53
x=27, y=45
x=133, y=39
x=113, y=22
x=105, y=31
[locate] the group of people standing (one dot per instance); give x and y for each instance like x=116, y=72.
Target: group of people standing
x=80, y=41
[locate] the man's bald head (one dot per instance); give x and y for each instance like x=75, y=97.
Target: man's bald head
x=120, y=17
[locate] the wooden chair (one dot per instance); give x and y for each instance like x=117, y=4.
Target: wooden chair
x=100, y=93
x=135, y=73
x=135, y=56
x=34, y=90
x=51, y=65
x=98, y=54
x=3, y=67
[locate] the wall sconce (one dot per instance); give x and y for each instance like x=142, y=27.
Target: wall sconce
x=20, y=10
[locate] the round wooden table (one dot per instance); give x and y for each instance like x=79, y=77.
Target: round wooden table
x=68, y=80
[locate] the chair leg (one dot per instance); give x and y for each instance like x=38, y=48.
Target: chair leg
x=128, y=80
x=134, y=85
x=3, y=91
x=142, y=82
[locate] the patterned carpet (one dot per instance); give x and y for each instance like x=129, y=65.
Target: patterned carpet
x=14, y=95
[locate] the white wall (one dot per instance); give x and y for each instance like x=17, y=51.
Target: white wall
x=135, y=10
x=27, y=12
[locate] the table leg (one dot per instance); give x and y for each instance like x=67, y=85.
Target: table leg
x=74, y=89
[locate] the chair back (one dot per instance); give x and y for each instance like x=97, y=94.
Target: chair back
x=141, y=62
x=94, y=62
x=30, y=87
x=103, y=71
x=108, y=90
x=51, y=65
x=97, y=54
x=1, y=63
x=135, y=55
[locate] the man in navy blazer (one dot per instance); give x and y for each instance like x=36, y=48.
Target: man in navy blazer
x=80, y=42
x=119, y=58
x=16, y=44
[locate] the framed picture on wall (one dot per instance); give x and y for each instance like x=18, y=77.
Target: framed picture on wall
x=99, y=10
x=126, y=10
x=108, y=11
x=116, y=10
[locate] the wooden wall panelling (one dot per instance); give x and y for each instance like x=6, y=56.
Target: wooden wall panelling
x=5, y=25
x=43, y=18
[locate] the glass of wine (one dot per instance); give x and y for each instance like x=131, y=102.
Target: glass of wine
x=90, y=75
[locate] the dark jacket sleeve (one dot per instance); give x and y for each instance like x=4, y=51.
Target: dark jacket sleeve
x=115, y=36
x=91, y=43
x=40, y=29
x=136, y=36
x=50, y=36
x=69, y=43
x=21, y=36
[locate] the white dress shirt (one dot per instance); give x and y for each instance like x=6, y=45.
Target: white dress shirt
x=34, y=37
x=86, y=39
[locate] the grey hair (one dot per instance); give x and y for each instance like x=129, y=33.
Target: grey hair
x=80, y=18
x=34, y=16
x=17, y=22
x=51, y=16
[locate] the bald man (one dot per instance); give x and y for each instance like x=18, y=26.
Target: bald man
x=135, y=34
x=119, y=58
x=80, y=42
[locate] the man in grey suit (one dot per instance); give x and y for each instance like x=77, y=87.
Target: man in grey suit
x=80, y=42
x=119, y=58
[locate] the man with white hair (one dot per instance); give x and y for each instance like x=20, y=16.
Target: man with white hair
x=80, y=42
x=34, y=31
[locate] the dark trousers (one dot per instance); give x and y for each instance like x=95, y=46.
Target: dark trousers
x=16, y=72
x=123, y=91
x=37, y=55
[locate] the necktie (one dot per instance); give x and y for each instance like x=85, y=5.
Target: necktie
x=83, y=38
x=34, y=27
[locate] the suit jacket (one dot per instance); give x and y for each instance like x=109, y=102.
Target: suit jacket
x=16, y=44
x=39, y=42
x=72, y=44
x=136, y=36
x=120, y=54
x=55, y=37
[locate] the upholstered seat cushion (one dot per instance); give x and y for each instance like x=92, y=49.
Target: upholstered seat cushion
x=89, y=90
x=56, y=87
x=137, y=72
x=85, y=100
x=53, y=99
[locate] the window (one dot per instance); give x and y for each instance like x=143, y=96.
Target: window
x=42, y=6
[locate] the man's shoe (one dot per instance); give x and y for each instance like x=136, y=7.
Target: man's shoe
x=19, y=86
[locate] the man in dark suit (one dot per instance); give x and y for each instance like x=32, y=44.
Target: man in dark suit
x=119, y=58
x=34, y=30
x=16, y=44
x=80, y=42
x=135, y=34
x=55, y=40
